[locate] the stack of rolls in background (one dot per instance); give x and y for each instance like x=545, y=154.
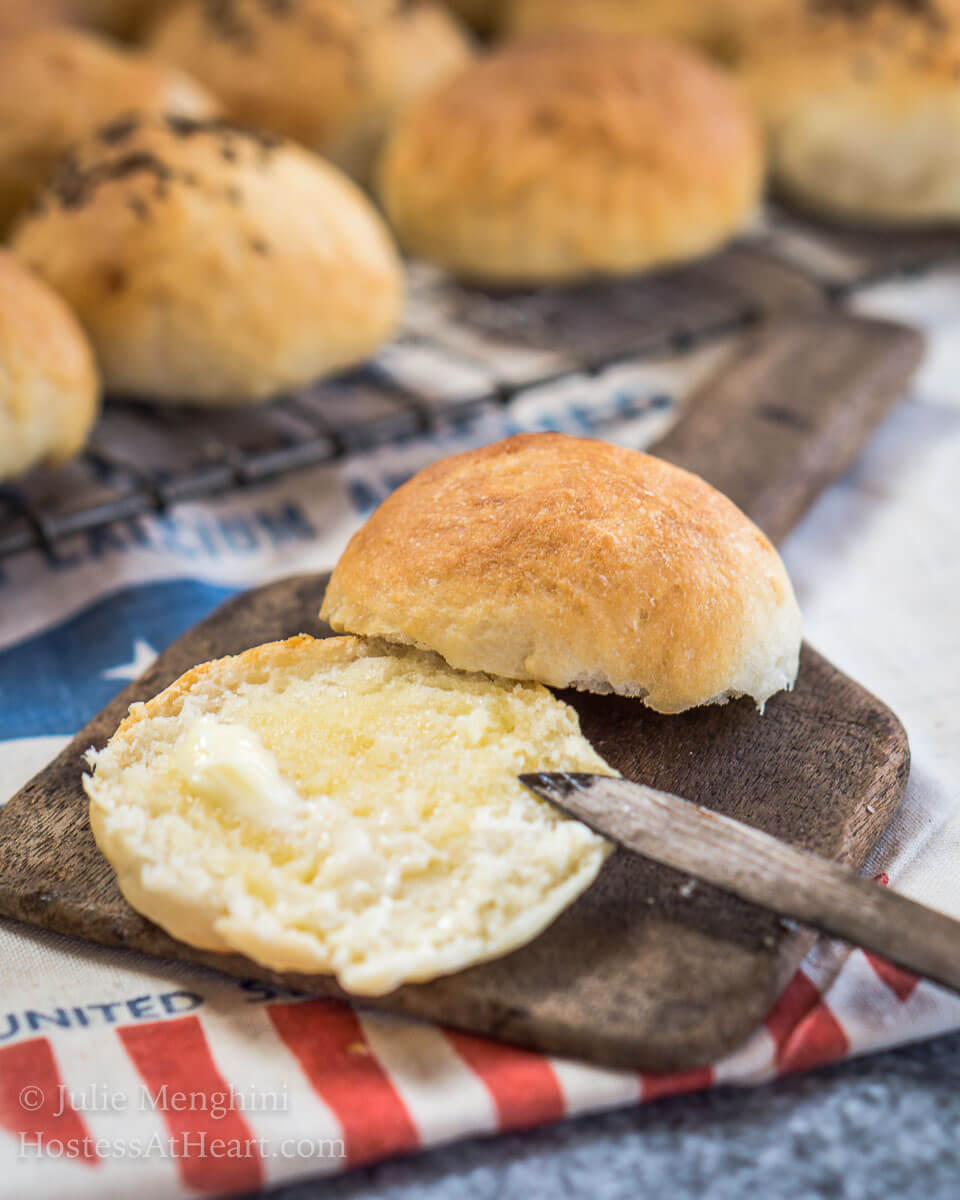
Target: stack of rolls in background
x=210, y=263
x=186, y=195
x=859, y=99
x=331, y=74
x=564, y=156
x=58, y=86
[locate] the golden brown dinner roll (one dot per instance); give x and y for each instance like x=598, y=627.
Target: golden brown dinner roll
x=57, y=86
x=557, y=158
x=213, y=264
x=332, y=74
x=720, y=27
x=578, y=564
x=49, y=391
x=862, y=110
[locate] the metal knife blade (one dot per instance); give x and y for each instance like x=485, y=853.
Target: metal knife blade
x=761, y=869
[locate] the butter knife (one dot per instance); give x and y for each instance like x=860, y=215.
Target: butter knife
x=759, y=868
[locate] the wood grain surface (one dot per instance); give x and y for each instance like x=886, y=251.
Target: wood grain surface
x=790, y=412
x=636, y=973
x=744, y=861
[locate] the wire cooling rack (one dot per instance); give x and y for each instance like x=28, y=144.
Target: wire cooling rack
x=462, y=350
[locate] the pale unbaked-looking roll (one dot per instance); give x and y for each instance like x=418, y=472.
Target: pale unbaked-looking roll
x=578, y=564
x=212, y=264
x=563, y=157
x=49, y=390
x=57, y=85
x=331, y=74
x=862, y=112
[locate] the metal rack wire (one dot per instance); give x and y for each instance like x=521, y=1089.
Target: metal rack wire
x=462, y=351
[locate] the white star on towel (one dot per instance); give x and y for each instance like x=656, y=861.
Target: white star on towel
x=144, y=656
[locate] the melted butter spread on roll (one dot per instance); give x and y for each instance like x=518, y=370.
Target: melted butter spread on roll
x=345, y=807
x=229, y=765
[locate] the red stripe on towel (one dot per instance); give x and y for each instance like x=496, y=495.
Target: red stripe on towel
x=329, y=1043
x=523, y=1085
x=214, y=1147
x=34, y=1105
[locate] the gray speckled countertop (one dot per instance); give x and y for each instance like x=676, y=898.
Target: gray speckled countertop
x=880, y=1127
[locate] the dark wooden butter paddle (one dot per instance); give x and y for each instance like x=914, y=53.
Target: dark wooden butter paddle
x=761, y=869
